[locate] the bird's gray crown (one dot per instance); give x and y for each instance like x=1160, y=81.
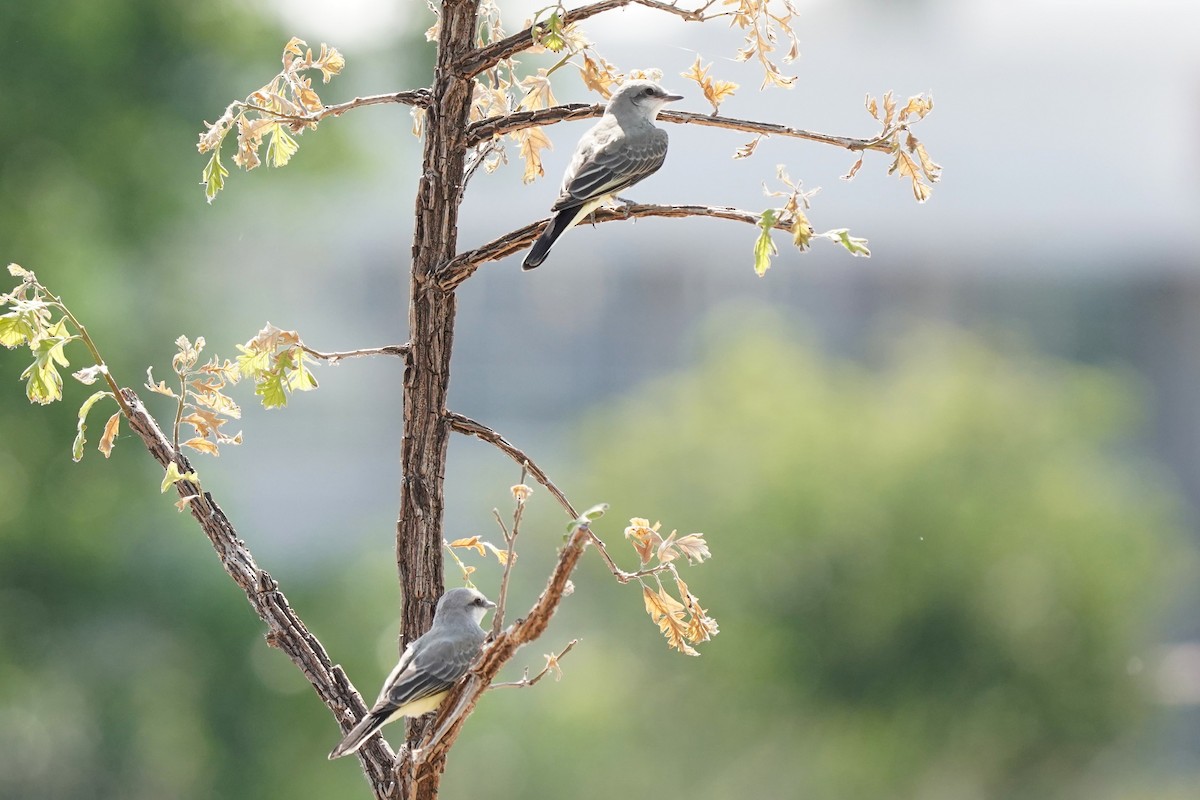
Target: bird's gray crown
x=464, y=600
x=639, y=99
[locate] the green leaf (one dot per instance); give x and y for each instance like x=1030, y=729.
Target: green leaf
x=214, y=176
x=764, y=248
x=586, y=518
x=553, y=39
x=281, y=148
x=299, y=377
x=269, y=386
x=174, y=476
x=44, y=383
x=80, y=441
x=15, y=330
x=855, y=244
x=253, y=363
x=595, y=512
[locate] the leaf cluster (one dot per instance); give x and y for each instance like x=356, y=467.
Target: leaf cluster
x=715, y=91
x=910, y=160
x=792, y=217
x=38, y=320
x=764, y=26
x=684, y=622
x=285, y=103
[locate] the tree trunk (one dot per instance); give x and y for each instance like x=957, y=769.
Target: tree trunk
x=431, y=330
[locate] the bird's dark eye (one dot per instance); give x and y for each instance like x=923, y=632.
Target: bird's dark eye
x=649, y=90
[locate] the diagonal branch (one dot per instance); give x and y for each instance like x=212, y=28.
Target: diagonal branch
x=470, y=427
x=459, y=268
x=498, y=126
x=285, y=629
x=484, y=58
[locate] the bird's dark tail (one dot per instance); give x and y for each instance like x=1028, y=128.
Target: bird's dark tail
x=365, y=729
x=558, y=225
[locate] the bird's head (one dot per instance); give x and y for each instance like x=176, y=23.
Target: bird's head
x=470, y=601
x=639, y=99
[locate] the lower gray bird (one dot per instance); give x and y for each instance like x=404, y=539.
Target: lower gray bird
x=624, y=147
x=429, y=667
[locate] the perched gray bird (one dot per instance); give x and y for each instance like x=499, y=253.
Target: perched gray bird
x=429, y=667
x=622, y=148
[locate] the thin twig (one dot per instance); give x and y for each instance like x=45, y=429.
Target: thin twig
x=88, y=342
x=413, y=97
x=498, y=126
x=459, y=268
x=509, y=554
x=401, y=350
x=528, y=681
x=466, y=573
x=476, y=61
x=470, y=427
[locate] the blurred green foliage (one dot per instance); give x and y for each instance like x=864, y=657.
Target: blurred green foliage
x=932, y=580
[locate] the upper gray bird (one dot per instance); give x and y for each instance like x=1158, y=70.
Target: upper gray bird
x=623, y=148
x=429, y=667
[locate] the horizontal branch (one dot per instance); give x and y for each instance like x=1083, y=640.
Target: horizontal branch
x=400, y=350
x=413, y=97
x=498, y=126
x=484, y=58
x=285, y=630
x=459, y=268
x=470, y=427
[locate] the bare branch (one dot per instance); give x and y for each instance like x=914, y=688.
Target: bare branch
x=285, y=629
x=459, y=268
x=413, y=97
x=476, y=61
x=401, y=350
x=510, y=553
x=498, y=126
x=470, y=427
x=528, y=681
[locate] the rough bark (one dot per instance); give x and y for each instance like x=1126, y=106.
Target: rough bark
x=285, y=629
x=431, y=327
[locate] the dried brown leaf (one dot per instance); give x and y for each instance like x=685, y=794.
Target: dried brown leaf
x=110, y=434
x=472, y=542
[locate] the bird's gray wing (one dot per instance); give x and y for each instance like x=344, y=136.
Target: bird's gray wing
x=435, y=666
x=615, y=167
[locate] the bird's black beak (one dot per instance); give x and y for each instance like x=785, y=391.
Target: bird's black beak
x=671, y=98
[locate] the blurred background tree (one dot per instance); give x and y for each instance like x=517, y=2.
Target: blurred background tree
x=940, y=568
